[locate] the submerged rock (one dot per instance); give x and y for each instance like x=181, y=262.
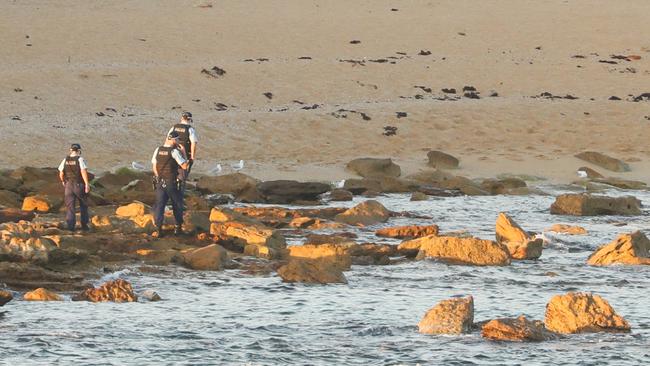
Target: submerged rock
x=41, y=294
x=452, y=316
x=520, y=244
x=407, y=232
x=364, y=214
x=631, y=249
x=5, y=297
x=516, y=330
x=583, y=204
x=290, y=191
x=467, y=251
x=312, y=271
x=568, y=229
x=582, y=313
x=150, y=295
x=419, y=196
x=373, y=167
x=603, y=161
x=339, y=195
x=241, y=186
x=116, y=291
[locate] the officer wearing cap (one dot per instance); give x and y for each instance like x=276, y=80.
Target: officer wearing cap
x=73, y=173
x=168, y=160
x=187, y=137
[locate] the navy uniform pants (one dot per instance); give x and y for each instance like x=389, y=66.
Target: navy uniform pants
x=166, y=192
x=75, y=192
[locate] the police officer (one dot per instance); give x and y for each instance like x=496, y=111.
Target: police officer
x=188, y=138
x=168, y=160
x=73, y=173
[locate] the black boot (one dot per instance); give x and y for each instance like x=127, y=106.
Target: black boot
x=178, y=230
x=159, y=233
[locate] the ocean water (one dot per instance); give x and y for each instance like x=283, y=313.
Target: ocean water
x=217, y=318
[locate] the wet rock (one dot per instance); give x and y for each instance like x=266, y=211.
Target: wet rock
x=452, y=316
x=631, y=249
x=15, y=215
x=150, y=295
x=520, y=244
x=10, y=199
x=115, y=291
x=604, y=161
x=255, y=239
x=503, y=186
x=441, y=160
x=7, y=183
x=373, y=167
x=568, y=229
x=335, y=238
x=27, y=276
x=592, y=205
x=339, y=195
x=446, y=181
x=582, y=313
x=335, y=253
x=242, y=186
x=311, y=271
x=465, y=251
x=371, y=254
x=591, y=173
x=361, y=186
x=407, y=232
x=289, y=191
x=5, y=297
x=132, y=210
x=208, y=258
x=621, y=183
x=41, y=294
x=419, y=196
x=364, y=214
x=516, y=330
x=21, y=243
x=41, y=203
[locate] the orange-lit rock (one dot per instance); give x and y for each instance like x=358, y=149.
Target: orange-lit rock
x=116, y=291
x=407, y=232
x=581, y=313
x=468, y=251
x=632, y=249
x=364, y=214
x=452, y=316
x=312, y=271
x=41, y=294
x=516, y=330
x=568, y=229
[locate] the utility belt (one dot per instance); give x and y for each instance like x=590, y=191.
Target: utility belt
x=74, y=181
x=165, y=182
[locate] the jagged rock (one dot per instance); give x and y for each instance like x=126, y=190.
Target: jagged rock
x=582, y=313
x=568, y=229
x=364, y=214
x=10, y=199
x=252, y=239
x=591, y=174
x=419, y=196
x=335, y=253
x=132, y=210
x=407, y=232
x=35, y=181
x=516, y=330
x=520, y=244
x=452, y=316
x=632, y=249
x=290, y=191
x=5, y=297
x=441, y=160
x=373, y=168
x=116, y=291
x=467, y=251
x=312, y=271
x=208, y=258
x=41, y=294
x=339, y=195
x=603, y=161
x=591, y=205
x=242, y=186
x=41, y=203
x=21, y=243
x=121, y=178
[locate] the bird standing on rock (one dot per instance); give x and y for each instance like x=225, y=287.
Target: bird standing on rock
x=239, y=166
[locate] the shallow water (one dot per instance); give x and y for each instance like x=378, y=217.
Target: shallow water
x=230, y=318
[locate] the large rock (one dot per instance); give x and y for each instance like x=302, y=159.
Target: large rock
x=252, y=239
x=630, y=249
x=132, y=210
x=407, y=232
x=27, y=276
x=312, y=271
x=289, y=191
x=621, y=183
x=590, y=173
x=208, y=258
x=242, y=186
x=452, y=316
x=446, y=181
x=5, y=297
x=41, y=203
x=364, y=214
x=503, y=186
x=468, y=251
x=338, y=254
x=41, y=294
x=582, y=313
x=116, y=291
x=374, y=168
x=8, y=183
x=441, y=160
x=603, y=161
x=9, y=199
x=37, y=180
x=15, y=215
x=20, y=242
x=520, y=244
x=591, y=205
x=516, y=330
x=568, y=229
x=339, y=195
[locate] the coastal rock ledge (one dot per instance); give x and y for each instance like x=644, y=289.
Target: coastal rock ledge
x=582, y=313
x=583, y=204
x=468, y=251
x=451, y=316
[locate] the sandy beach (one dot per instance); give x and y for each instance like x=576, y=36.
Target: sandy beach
x=113, y=76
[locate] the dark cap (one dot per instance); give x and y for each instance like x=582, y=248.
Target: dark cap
x=173, y=135
x=186, y=115
x=75, y=147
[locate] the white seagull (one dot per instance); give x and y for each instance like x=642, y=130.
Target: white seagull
x=216, y=170
x=582, y=174
x=239, y=166
x=339, y=184
x=137, y=166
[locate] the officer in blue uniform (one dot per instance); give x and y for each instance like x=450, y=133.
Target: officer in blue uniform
x=188, y=138
x=168, y=161
x=73, y=173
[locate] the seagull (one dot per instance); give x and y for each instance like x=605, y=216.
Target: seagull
x=216, y=170
x=545, y=239
x=137, y=166
x=339, y=184
x=239, y=166
x=582, y=174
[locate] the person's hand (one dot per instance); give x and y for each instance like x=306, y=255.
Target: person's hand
x=63, y=184
x=87, y=190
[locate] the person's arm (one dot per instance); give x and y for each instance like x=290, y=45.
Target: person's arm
x=153, y=162
x=61, y=175
x=84, y=175
x=180, y=159
x=194, y=140
x=181, y=148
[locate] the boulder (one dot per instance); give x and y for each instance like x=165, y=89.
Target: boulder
x=467, y=251
x=27, y=276
x=364, y=214
x=568, y=229
x=41, y=294
x=312, y=271
x=37, y=180
x=9, y=199
x=407, y=232
x=591, y=174
x=218, y=214
x=371, y=254
x=419, y=196
x=503, y=186
x=132, y=210
x=520, y=244
x=252, y=239
x=516, y=330
x=445, y=181
x=582, y=313
x=373, y=168
x=290, y=191
x=150, y=295
x=122, y=177
x=116, y=291
x=15, y=215
x=208, y=258
x=242, y=186
x=603, y=161
x=335, y=238
x=340, y=195
x=5, y=297
x=361, y=186
x=452, y=316
x=632, y=249
x=20, y=243
x=583, y=204
x=441, y=160
x=7, y=183
x=41, y=203
x=335, y=253
x=196, y=221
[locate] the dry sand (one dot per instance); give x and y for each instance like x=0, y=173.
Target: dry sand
x=143, y=58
